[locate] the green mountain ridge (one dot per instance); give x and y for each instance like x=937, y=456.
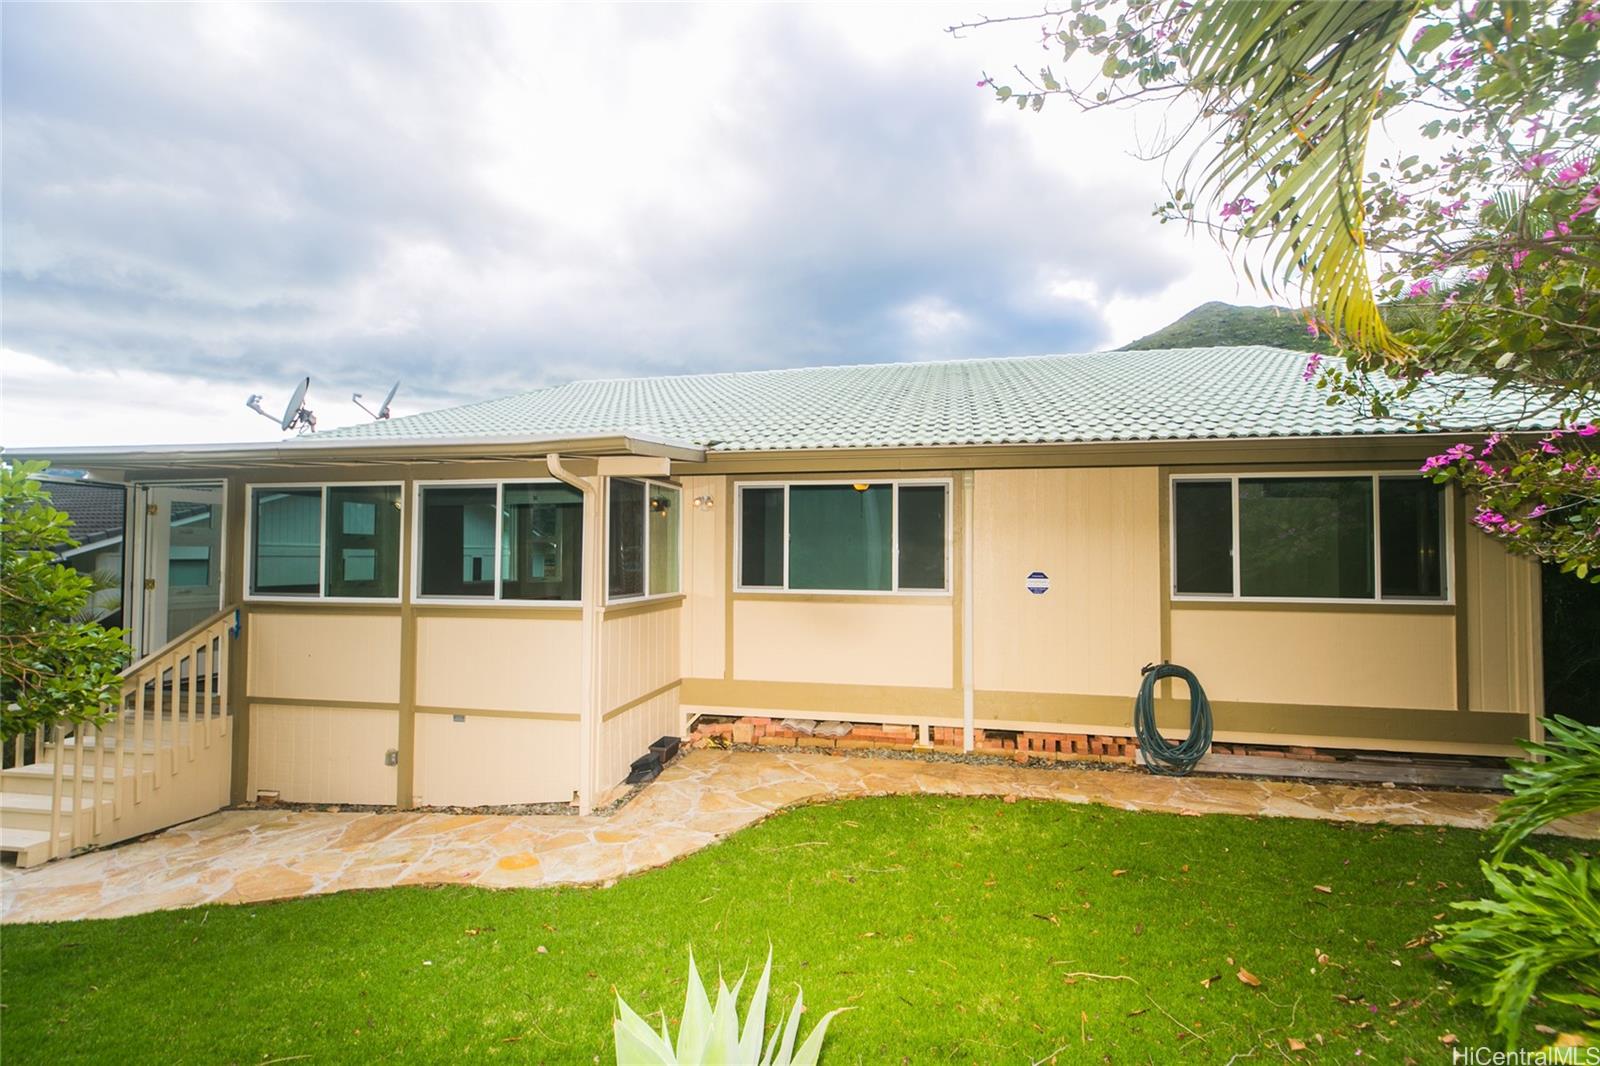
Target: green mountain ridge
x=1218, y=324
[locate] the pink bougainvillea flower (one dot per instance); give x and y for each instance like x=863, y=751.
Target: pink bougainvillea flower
x=1460, y=59
x=1478, y=274
x=1312, y=365
x=1420, y=287
x=1491, y=442
x=1572, y=172
x=1590, y=17
x=1538, y=512
x=1537, y=160
x=1519, y=257
x=1449, y=302
x=1312, y=328
x=1588, y=203
x=1548, y=448
x=1486, y=469
x=983, y=83
x=1242, y=206
x=1449, y=210
x=1589, y=430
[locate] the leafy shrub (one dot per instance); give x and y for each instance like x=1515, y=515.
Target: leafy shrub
x=54, y=664
x=1541, y=933
x=711, y=1036
x=1567, y=782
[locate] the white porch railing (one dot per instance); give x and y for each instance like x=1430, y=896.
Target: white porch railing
x=153, y=761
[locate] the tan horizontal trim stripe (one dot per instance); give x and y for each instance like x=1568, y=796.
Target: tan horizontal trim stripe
x=640, y=700
x=341, y=705
x=881, y=702
x=559, y=614
x=1352, y=607
x=622, y=610
x=863, y=701
x=480, y=712
x=1367, y=723
x=899, y=599
x=379, y=610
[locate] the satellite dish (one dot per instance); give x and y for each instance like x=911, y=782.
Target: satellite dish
x=383, y=409
x=296, y=415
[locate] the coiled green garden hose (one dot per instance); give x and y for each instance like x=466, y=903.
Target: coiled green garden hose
x=1160, y=754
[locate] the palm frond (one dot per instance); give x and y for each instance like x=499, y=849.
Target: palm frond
x=1299, y=83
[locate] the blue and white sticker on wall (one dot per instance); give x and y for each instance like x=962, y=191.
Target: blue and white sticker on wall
x=1038, y=582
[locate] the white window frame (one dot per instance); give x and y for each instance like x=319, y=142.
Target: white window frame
x=894, y=588
x=646, y=595
x=1447, y=564
x=320, y=595
x=495, y=601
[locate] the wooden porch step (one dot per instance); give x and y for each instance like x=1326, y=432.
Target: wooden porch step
x=30, y=846
x=39, y=803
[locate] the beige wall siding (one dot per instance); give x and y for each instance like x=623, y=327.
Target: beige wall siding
x=900, y=641
x=486, y=760
x=627, y=735
x=705, y=554
x=1096, y=533
x=338, y=655
x=499, y=663
x=639, y=654
x=322, y=754
x=1504, y=654
x=1320, y=657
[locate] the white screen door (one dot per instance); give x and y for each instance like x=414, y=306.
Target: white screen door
x=182, y=578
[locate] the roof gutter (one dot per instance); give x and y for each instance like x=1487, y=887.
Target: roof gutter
x=311, y=451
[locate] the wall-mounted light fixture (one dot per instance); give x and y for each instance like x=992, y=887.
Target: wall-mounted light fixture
x=704, y=503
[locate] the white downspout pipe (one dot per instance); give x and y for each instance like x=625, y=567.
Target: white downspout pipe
x=967, y=611
x=589, y=658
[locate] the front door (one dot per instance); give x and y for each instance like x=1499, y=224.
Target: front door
x=182, y=560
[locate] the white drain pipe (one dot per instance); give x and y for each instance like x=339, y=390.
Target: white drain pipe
x=967, y=611
x=589, y=658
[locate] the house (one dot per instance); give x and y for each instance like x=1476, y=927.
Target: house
x=507, y=602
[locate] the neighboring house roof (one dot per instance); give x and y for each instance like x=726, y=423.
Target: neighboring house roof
x=96, y=508
x=1162, y=394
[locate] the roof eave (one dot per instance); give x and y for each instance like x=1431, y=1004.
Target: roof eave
x=357, y=451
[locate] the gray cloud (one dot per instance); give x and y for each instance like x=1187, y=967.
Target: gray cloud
x=339, y=190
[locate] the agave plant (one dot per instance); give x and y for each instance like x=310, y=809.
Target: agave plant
x=711, y=1035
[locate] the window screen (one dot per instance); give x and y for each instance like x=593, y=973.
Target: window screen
x=761, y=537
x=362, y=556
x=285, y=550
x=1411, y=518
x=921, y=527
x=1202, y=530
x=457, y=541
x=541, y=542
x=626, y=539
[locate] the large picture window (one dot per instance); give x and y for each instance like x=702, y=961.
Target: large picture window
x=642, y=539
x=872, y=536
x=500, y=541
x=328, y=541
x=1364, y=537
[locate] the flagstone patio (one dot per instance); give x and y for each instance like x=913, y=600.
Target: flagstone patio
x=249, y=856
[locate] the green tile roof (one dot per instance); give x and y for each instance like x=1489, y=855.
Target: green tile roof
x=1163, y=394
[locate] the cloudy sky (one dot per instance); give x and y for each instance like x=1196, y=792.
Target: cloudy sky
x=203, y=202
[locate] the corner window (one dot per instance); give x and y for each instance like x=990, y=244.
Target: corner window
x=505, y=541
x=871, y=536
x=641, y=539
x=329, y=541
x=1364, y=537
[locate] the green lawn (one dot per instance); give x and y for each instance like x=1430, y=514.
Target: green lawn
x=954, y=927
